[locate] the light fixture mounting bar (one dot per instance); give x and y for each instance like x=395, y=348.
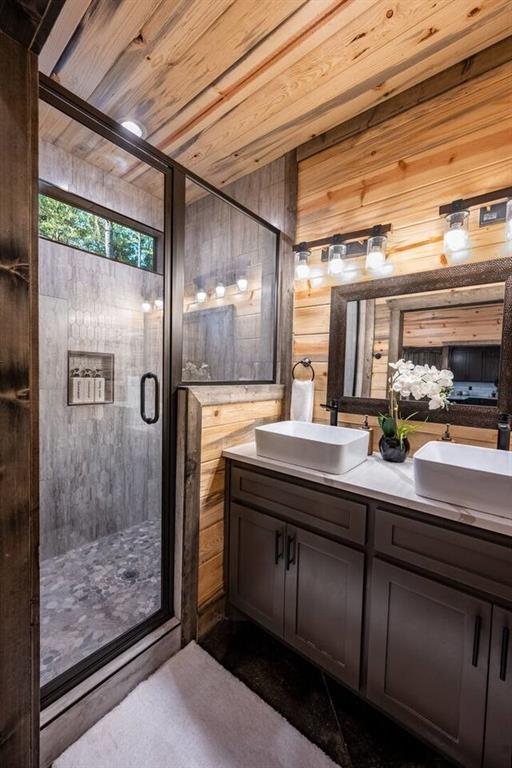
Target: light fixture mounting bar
x=469, y=202
x=358, y=234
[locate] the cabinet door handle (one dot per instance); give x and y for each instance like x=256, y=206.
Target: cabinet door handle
x=505, y=635
x=278, y=553
x=291, y=550
x=476, y=640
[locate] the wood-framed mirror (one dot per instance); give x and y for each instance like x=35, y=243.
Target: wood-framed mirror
x=458, y=317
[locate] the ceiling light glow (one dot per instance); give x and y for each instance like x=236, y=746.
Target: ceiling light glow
x=133, y=127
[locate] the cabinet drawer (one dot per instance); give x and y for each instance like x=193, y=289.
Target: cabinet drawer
x=331, y=514
x=478, y=563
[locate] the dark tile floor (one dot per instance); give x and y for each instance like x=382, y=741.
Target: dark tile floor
x=351, y=732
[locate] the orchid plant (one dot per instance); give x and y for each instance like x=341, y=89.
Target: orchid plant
x=419, y=382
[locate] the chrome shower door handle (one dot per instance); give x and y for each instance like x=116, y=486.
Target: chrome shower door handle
x=156, y=411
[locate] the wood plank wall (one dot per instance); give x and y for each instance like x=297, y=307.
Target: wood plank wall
x=457, y=144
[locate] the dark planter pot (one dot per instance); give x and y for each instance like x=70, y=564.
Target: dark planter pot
x=391, y=450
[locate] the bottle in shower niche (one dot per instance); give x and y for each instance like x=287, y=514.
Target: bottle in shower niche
x=76, y=386
x=88, y=386
x=99, y=386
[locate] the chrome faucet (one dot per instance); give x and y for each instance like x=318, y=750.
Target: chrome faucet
x=332, y=406
x=503, y=442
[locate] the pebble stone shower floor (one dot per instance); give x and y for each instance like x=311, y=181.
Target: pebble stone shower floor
x=95, y=593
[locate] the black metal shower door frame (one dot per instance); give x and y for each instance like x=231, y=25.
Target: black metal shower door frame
x=174, y=185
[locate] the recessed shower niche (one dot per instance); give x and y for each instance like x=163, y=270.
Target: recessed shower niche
x=90, y=378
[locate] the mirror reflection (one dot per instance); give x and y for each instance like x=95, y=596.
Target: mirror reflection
x=459, y=329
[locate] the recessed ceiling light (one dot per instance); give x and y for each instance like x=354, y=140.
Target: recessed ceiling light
x=133, y=127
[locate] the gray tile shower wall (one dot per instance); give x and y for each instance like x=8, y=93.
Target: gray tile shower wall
x=100, y=464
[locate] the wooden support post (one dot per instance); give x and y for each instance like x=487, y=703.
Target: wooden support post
x=19, y=492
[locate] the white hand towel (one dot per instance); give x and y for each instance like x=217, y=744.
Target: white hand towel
x=303, y=395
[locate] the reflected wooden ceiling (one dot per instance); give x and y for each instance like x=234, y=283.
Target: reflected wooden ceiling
x=225, y=86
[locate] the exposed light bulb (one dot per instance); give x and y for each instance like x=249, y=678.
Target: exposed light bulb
x=242, y=284
x=133, y=127
x=146, y=306
x=220, y=290
x=159, y=304
x=456, y=237
x=201, y=295
x=376, y=253
x=508, y=220
x=337, y=253
x=302, y=269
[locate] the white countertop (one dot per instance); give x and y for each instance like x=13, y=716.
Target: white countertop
x=381, y=480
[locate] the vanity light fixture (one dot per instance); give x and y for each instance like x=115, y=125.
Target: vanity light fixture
x=302, y=268
x=134, y=127
x=456, y=213
x=146, y=306
x=371, y=241
x=336, y=255
x=242, y=283
x=220, y=290
x=201, y=295
x=376, y=251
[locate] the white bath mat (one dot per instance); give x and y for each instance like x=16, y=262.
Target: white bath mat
x=192, y=713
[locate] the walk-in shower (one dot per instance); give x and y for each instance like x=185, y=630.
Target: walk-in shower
x=104, y=520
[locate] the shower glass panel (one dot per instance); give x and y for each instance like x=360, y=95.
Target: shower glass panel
x=101, y=308
x=230, y=276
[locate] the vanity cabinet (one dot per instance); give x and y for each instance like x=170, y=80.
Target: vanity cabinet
x=428, y=650
x=303, y=587
x=412, y=611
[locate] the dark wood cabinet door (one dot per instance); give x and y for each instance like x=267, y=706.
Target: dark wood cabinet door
x=498, y=731
x=428, y=659
x=323, y=602
x=256, y=568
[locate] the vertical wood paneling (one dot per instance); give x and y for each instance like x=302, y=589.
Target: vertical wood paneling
x=19, y=534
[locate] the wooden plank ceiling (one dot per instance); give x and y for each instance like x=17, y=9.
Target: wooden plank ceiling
x=225, y=86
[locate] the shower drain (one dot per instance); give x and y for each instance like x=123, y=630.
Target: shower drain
x=130, y=574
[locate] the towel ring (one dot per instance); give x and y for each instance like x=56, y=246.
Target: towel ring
x=306, y=362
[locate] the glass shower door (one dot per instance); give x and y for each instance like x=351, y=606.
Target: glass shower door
x=105, y=570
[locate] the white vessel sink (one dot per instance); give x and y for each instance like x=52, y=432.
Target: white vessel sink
x=316, y=446
x=478, y=478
